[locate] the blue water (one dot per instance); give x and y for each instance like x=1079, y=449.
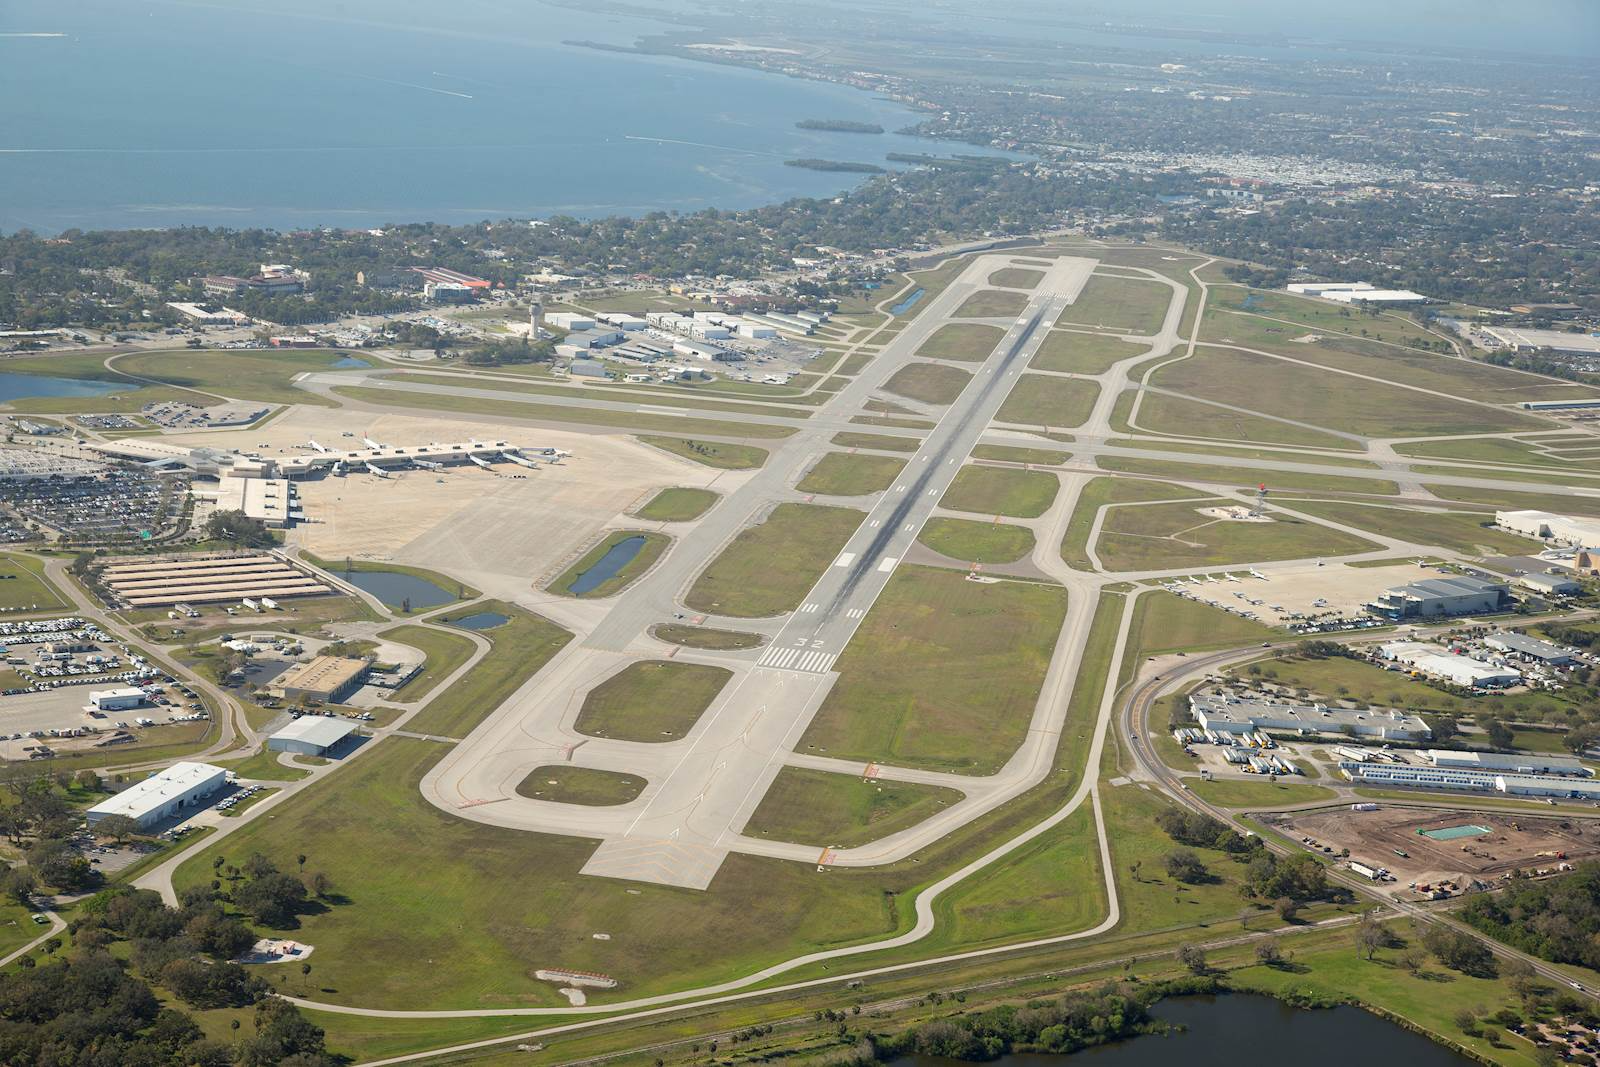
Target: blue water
x=483, y=620
x=606, y=567
x=1237, y=1029
x=303, y=113
x=908, y=303
x=348, y=363
x=21, y=386
x=394, y=588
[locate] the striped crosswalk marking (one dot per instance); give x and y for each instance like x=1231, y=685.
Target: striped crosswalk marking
x=806, y=609
x=807, y=661
x=855, y=613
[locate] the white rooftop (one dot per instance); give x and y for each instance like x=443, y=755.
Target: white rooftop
x=146, y=796
x=323, y=730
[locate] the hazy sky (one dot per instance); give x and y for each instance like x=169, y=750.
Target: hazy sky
x=1568, y=27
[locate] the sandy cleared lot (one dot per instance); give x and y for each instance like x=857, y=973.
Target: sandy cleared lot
x=499, y=530
x=1513, y=841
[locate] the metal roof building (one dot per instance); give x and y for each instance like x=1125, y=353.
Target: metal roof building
x=1531, y=647
x=1229, y=714
x=327, y=678
x=1453, y=595
x=1515, y=762
x=311, y=735
x=179, y=788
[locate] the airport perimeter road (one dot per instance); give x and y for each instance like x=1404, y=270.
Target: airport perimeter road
x=701, y=790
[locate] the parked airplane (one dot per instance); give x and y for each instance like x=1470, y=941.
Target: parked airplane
x=376, y=471
x=371, y=443
x=313, y=443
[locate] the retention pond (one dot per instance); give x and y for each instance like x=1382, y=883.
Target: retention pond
x=1222, y=1031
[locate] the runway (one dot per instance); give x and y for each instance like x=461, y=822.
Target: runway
x=703, y=788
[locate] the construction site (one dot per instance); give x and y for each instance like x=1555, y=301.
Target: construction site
x=1424, y=847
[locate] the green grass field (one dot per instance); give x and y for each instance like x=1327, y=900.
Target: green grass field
x=1164, y=623
x=967, y=342
x=719, y=454
x=1122, y=305
x=678, y=505
x=1047, y=457
x=1263, y=794
x=1165, y=536
x=1163, y=413
x=745, y=582
x=1097, y=493
x=1246, y=475
x=976, y=542
x=1150, y=899
x=810, y=807
x=521, y=647
x=1016, y=278
x=1022, y=494
x=991, y=304
x=1044, y=400
x=566, y=784
x=705, y=637
x=490, y=905
x=1082, y=353
x=1491, y=450
x=444, y=651
x=1321, y=398
x=1454, y=531
x=23, y=586
x=943, y=673
x=263, y=766
x=851, y=474
x=651, y=700
x=1517, y=501
x=930, y=383
x=650, y=551
x=881, y=442
x=243, y=375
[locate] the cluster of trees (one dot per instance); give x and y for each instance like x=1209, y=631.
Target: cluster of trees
x=1068, y=1023
x=1555, y=919
x=239, y=528
x=269, y=896
x=513, y=350
x=40, y=822
x=1292, y=878
x=87, y=1006
x=1201, y=831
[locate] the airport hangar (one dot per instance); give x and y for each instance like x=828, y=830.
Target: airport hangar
x=311, y=735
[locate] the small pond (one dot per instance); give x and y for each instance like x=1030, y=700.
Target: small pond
x=22, y=386
x=482, y=620
x=606, y=567
x=908, y=303
x=1237, y=1028
x=394, y=588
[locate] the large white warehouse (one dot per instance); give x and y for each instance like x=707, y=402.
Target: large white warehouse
x=1547, y=526
x=1465, y=671
x=1515, y=762
x=179, y=788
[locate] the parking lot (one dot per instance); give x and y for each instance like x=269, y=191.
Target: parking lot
x=115, y=504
